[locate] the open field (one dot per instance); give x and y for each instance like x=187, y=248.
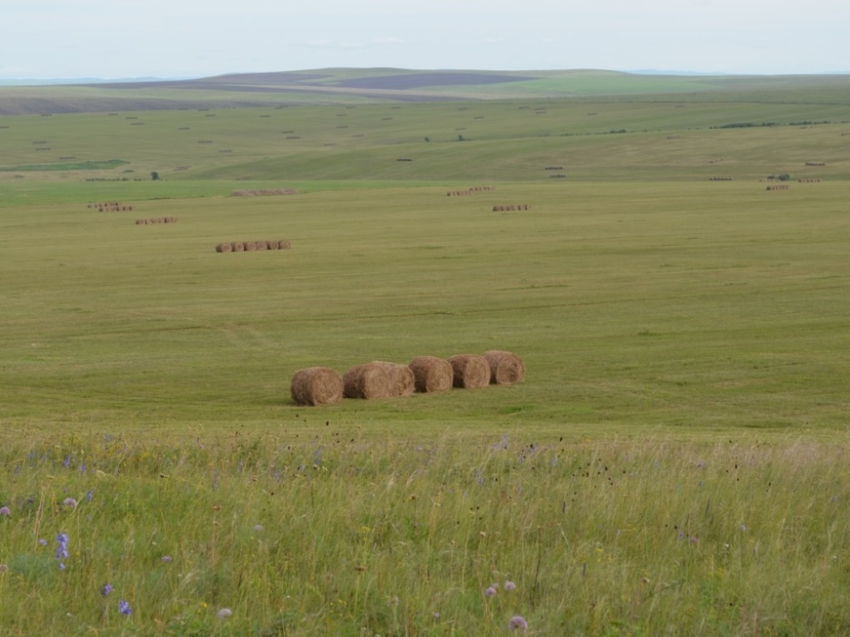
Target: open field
x=672, y=465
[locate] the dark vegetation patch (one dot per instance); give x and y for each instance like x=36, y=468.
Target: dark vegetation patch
x=82, y=165
x=421, y=80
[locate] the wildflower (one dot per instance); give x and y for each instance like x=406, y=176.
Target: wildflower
x=107, y=588
x=90, y=496
x=742, y=527
x=518, y=623
x=166, y=558
x=510, y=586
x=42, y=542
x=694, y=540
x=62, y=550
x=5, y=511
x=258, y=527
x=490, y=591
x=124, y=607
x=71, y=503
x=66, y=462
x=224, y=613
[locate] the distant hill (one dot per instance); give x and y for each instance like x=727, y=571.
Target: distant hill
x=352, y=86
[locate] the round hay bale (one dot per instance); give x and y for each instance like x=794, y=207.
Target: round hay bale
x=506, y=368
x=431, y=374
x=401, y=378
x=284, y=244
x=368, y=381
x=224, y=247
x=272, y=245
x=469, y=371
x=261, y=245
x=250, y=246
x=238, y=246
x=316, y=386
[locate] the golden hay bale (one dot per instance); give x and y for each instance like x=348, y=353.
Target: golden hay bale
x=368, y=381
x=316, y=386
x=431, y=374
x=272, y=245
x=506, y=368
x=224, y=247
x=284, y=244
x=238, y=246
x=470, y=371
x=401, y=378
x=261, y=245
x=250, y=246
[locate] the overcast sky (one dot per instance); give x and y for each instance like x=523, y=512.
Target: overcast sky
x=110, y=39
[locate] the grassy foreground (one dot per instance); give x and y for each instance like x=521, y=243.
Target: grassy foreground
x=674, y=463
x=321, y=532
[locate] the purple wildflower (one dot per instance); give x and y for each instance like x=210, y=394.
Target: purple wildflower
x=62, y=549
x=42, y=542
x=510, y=586
x=107, y=588
x=224, y=613
x=490, y=591
x=124, y=607
x=518, y=623
x=693, y=540
x=66, y=462
x=5, y=511
x=258, y=527
x=90, y=496
x=71, y=503
x=166, y=558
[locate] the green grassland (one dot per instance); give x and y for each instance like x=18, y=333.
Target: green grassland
x=673, y=463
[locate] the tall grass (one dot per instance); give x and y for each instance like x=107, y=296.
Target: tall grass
x=325, y=530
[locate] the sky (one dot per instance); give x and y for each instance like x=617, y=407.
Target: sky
x=117, y=39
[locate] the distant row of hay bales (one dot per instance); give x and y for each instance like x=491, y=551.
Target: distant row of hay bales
x=519, y=206
x=252, y=246
x=815, y=163
x=469, y=191
x=778, y=187
x=812, y=180
x=720, y=179
x=380, y=379
x=110, y=206
x=264, y=192
x=155, y=220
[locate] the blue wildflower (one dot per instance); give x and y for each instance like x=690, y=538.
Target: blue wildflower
x=124, y=607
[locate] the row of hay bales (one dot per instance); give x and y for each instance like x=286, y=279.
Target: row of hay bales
x=720, y=179
x=778, y=187
x=518, y=206
x=253, y=246
x=110, y=206
x=155, y=220
x=379, y=379
x=469, y=191
x=811, y=180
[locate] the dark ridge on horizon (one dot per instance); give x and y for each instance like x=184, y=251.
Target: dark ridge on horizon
x=382, y=81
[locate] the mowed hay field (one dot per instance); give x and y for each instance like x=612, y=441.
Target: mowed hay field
x=672, y=464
